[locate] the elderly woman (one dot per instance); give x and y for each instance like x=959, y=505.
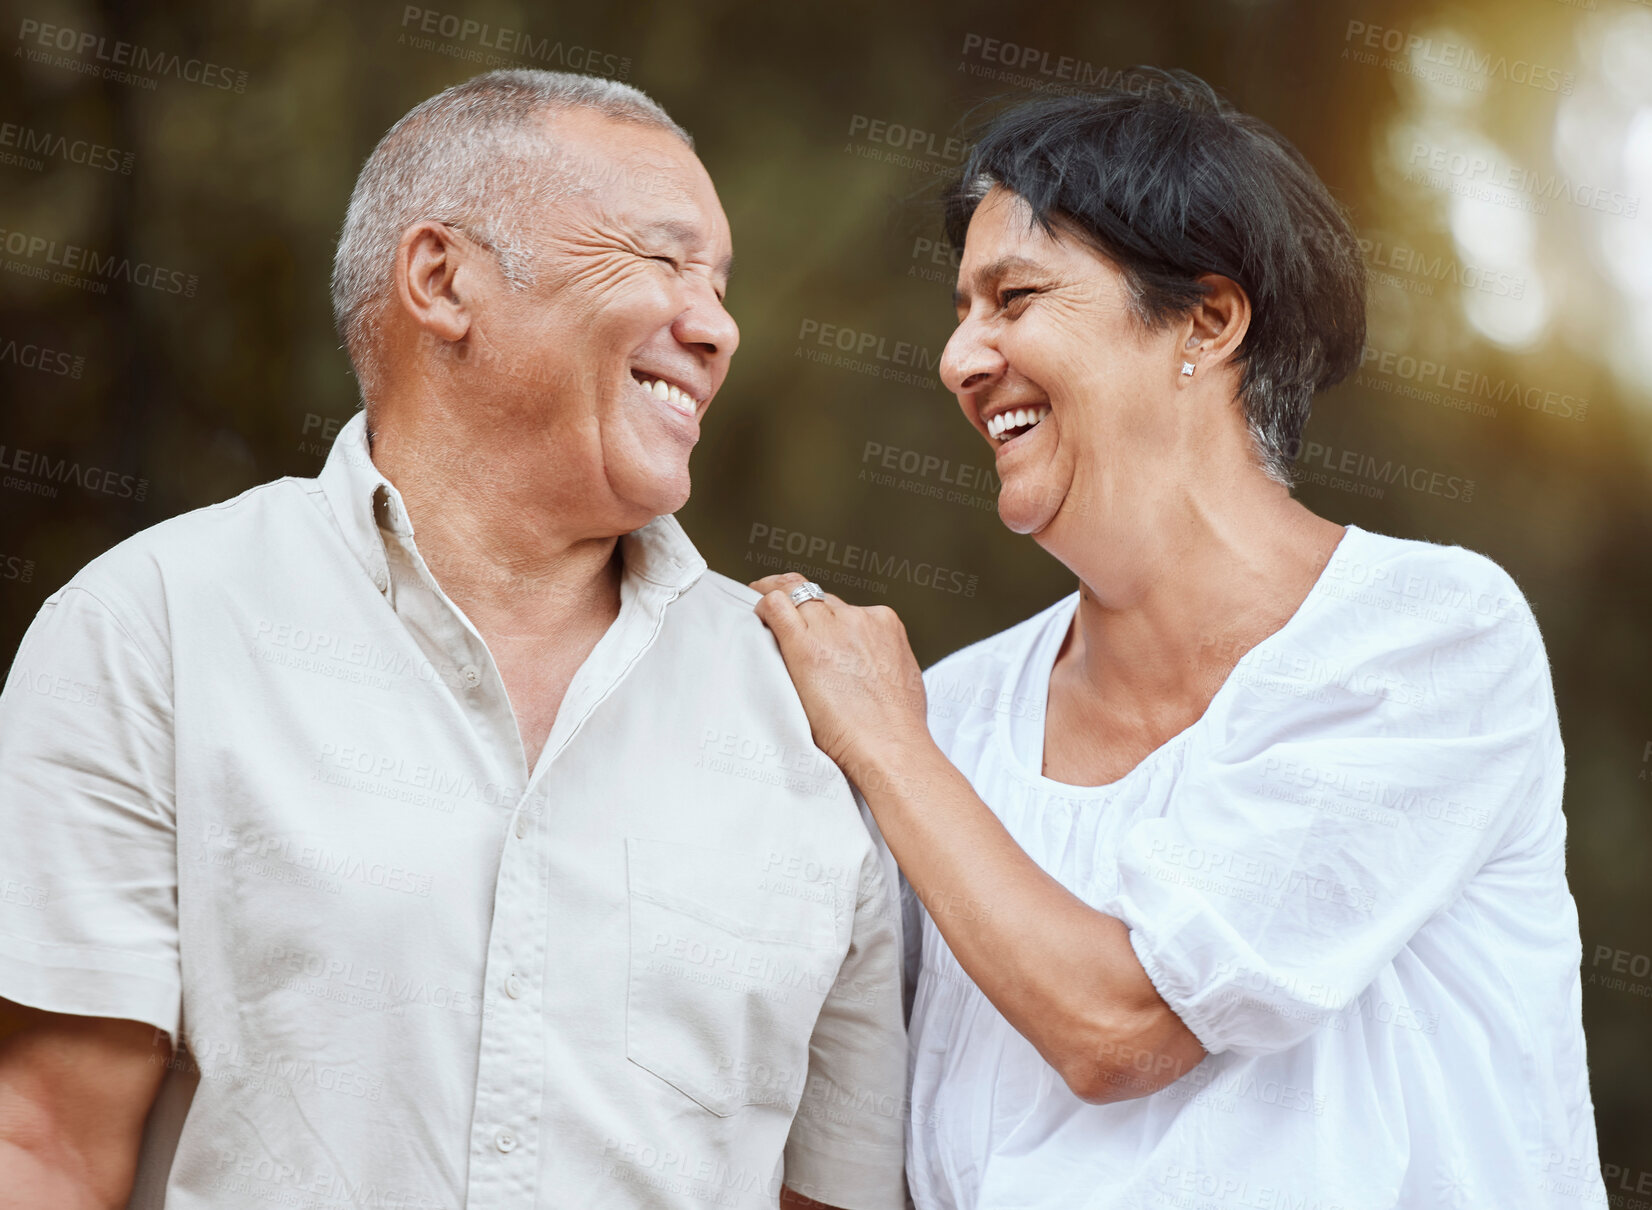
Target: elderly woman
x=1242, y=867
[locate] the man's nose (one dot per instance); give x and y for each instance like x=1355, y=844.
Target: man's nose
x=968, y=363
x=706, y=324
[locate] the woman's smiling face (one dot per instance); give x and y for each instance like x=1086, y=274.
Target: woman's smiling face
x=1046, y=333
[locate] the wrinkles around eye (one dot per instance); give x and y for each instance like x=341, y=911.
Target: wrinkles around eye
x=684, y=267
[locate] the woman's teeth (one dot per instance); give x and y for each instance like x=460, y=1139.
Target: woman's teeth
x=1003, y=426
x=665, y=392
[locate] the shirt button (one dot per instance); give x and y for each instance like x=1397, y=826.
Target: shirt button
x=504, y=1140
x=471, y=675
x=513, y=986
x=521, y=825
x=380, y=581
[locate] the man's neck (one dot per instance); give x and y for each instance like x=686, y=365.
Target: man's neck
x=502, y=550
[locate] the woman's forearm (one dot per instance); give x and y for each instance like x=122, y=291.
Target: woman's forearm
x=1063, y=974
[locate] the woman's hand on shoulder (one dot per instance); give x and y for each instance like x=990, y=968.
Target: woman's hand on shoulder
x=854, y=670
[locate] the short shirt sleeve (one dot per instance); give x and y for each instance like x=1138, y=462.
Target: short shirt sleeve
x=1341, y=809
x=88, y=868
x=847, y=1143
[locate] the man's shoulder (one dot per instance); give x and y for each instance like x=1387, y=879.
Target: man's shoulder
x=205, y=540
x=722, y=655
x=716, y=636
x=727, y=593
x=717, y=600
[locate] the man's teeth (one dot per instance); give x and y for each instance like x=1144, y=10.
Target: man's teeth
x=665, y=392
x=1016, y=418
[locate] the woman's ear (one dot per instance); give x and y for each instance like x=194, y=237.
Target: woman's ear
x=1219, y=321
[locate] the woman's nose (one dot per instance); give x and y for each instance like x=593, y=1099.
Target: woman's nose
x=968, y=363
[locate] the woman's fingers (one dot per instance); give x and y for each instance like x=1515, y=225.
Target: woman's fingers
x=853, y=667
x=780, y=615
x=787, y=580
x=783, y=583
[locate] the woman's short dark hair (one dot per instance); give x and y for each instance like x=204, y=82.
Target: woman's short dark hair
x=1170, y=182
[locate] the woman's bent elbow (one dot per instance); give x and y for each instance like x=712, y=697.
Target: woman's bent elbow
x=1110, y=1067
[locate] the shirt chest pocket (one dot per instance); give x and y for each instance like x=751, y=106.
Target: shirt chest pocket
x=729, y=968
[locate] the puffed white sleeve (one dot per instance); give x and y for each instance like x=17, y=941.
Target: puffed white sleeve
x=1344, y=800
x=88, y=868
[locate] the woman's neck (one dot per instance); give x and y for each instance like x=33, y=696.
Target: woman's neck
x=1161, y=622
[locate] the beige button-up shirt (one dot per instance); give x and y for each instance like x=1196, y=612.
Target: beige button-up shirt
x=261, y=787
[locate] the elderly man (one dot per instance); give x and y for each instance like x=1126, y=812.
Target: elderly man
x=439, y=832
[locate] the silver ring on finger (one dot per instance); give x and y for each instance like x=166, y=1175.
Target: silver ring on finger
x=806, y=592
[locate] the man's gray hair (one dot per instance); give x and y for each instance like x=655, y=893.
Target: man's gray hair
x=478, y=157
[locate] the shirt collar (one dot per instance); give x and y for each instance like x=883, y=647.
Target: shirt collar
x=661, y=553
x=365, y=504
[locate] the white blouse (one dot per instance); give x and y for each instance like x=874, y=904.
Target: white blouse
x=1347, y=879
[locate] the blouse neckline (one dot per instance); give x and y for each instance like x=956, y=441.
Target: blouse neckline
x=1046, y=666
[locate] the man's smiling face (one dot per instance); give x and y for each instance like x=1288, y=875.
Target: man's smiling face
x=607, y=362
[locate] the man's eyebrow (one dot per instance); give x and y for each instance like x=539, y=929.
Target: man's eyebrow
x=675, y=229
x=994, y=270
x=684, y=235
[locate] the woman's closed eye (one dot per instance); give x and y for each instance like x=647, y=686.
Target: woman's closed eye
x=1016, y=295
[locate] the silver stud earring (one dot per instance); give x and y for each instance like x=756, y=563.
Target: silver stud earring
x=1187, y=369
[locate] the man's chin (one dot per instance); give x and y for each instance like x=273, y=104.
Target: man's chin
x=659, y=497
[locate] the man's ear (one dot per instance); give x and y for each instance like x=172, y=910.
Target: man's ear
x=1219, y=321
x=433, y=264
